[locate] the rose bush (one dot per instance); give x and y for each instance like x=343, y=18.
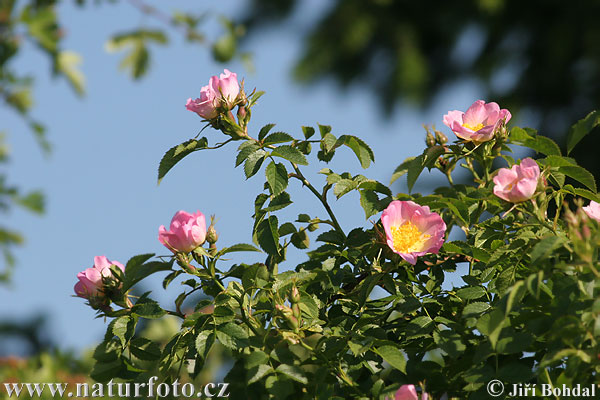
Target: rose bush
x=516, y=244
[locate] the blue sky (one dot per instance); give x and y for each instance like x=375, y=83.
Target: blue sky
x=100, y=180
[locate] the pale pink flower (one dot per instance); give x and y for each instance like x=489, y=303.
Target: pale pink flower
x=409, y=392
x=479, y=123
x=227, y=86
x=206, y=105
x=90, y=281
x=187, y=231
x=412, y=230
x=222, y=90
x=518, y=183
x=593, y=210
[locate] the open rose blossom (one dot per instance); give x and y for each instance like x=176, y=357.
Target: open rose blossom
x=409, y=392
x=187, y=231
x=412, y=230
x=223, y=89
x=90, y=281
x=479, y=123
x=518, y=183
x=593, y=210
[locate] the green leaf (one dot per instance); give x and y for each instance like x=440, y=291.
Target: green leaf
x=245, y=150
x=581, y=175
x=415, y=167
x=277, y=177
x=124, y=328
x=264, y=131
x=253, y=163
x=145, y=349
x=540, y=144
x=204, y=342
x=362, y=151
x=471, y=292
x=474, y=309
x=278, y=202
x=177, y=153
x=68, y=62
x=147, y=308
x=344, y=186
x=277, y=137
x=300, y=239
x=401, y=169
x=490, y=325
x=135, y=271
x=393, y=356
x=324, y=130
x=291, y=154
x=268, y=235
x=308, y=132
x=292, y=372
x=432, y=154
x=581, y=129
x=258, y=372
x=545, y=248
x=34, y=201
x=236, y=248
x=236, y=334
x=370, y=203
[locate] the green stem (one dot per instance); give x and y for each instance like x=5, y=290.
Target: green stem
x=321, y=198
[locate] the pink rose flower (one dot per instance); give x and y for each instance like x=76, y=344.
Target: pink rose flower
x=205, y=106
x=412, y=230
x=90, y=281
x=227, y=86
x=479, y=123
x=187, y=232
x=409, y=392
x=518, y=183
x=221, y=90
x=593, y=210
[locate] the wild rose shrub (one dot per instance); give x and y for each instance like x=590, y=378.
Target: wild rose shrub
x=526, y=309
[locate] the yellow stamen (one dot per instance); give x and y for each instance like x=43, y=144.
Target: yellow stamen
x=474, y=128
x=407, y=238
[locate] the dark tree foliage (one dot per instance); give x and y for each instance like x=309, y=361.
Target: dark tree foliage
x=542, y=56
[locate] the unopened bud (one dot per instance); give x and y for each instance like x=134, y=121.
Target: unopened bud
x=440, y=138
x=295, y=297
x=430, y=139
x=211, y=233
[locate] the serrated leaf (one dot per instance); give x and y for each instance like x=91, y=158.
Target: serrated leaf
x=401, y=169
x=545, y=247
x=177, y=153
x=145, y=349
x=540, y=144
x=124, y=328
x=393, y=356
x=292, y=372
x=370, y=203
x=278, y=202
x=474, y=309
x=343, y=187
x=268, y=235
x=580, y=129
x=291, y=154
x=581, y=175
x=147, y=308
x=300, y=239
x=324, y=130
x=308, y=132
x=277, y=137
x=471, y=292
x=415, y=167
x=362, y=151
x=258, y=372
x=245, y=150
x=236, y=248
x=277, y=177
x=264, y=131
x=253, y=163
x=204, y=342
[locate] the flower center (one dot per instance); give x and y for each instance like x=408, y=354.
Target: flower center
x=407, y=238
x=474, y=128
